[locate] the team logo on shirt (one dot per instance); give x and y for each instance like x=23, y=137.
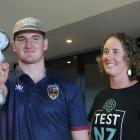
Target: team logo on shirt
x=19, y=87
x=53, y=91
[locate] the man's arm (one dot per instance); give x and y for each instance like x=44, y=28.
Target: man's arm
x=80, y=135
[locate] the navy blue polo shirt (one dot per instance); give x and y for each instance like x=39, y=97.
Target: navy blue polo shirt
x=46, y=110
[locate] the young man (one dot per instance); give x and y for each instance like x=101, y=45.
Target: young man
x=40, y=104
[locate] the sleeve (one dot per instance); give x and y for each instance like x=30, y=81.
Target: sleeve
x=94, y=107
x=76, y=107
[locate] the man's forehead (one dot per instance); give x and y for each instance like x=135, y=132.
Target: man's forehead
x=29, y=32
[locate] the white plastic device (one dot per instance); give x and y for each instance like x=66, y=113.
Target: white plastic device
x=4, y=43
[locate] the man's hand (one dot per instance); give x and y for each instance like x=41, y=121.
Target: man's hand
x=4, y=71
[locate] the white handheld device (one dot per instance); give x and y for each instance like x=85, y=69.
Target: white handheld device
x=4, y=43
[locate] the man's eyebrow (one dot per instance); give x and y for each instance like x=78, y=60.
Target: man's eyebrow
x=39, y=36
x=19, y=37
x=22, y=36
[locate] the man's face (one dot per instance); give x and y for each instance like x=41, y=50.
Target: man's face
x=30, y=46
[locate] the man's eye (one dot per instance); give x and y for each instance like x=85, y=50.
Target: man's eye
x=36, y=38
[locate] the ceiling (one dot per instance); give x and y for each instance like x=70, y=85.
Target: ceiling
x=86, y=22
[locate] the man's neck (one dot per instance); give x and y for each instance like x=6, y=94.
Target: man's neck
x=35, y=71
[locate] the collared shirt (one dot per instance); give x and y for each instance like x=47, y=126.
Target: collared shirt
x=49, y=109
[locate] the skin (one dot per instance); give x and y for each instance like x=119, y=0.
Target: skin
x=115, y=65
x=30, y=47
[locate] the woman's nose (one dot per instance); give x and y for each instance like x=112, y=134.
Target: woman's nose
x=109, y=55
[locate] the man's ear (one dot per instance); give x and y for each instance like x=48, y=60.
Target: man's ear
x=45, y=44
x=13, y=46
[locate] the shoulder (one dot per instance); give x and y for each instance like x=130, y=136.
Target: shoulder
x=136, y=89
x=67, y=86
x=12, y=75
x=60, y=78
x=104, y=92
x=15, y=72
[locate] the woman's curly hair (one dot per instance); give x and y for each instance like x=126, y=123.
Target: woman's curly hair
x=132, y=53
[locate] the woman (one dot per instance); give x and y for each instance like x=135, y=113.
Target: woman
x=115, y=114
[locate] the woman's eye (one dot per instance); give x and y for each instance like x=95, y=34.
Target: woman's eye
x=105, y=51
x=116, y=51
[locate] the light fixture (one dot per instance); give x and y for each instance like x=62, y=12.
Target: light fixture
x=68, y=62
x=69, y=41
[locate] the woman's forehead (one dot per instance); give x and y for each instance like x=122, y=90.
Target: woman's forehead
x=112, y=42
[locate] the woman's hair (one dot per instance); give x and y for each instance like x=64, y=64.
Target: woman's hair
x=132, y=53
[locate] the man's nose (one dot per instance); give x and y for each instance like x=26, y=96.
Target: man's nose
x=28, y=43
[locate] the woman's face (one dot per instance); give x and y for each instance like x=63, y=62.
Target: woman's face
x=113, y=58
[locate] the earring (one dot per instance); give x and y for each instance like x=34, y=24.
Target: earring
x=129, y=72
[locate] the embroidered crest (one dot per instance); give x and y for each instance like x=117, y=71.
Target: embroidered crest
x=53, y=91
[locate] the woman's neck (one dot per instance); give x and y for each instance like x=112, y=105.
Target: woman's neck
x=121, y=83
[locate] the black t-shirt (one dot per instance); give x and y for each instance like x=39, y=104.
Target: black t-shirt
x=115, y=114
